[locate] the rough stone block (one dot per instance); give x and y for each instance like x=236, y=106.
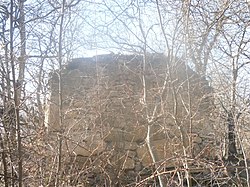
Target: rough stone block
x=144, y=156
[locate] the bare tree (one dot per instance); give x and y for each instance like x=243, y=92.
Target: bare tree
x=206, y=42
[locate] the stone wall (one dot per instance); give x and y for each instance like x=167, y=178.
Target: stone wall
x=106, y=109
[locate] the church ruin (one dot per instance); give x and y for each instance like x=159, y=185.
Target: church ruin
x=110, y=101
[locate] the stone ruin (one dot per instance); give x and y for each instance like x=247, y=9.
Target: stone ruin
x=108, y=102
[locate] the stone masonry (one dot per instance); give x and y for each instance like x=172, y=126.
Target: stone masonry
x=110, y=100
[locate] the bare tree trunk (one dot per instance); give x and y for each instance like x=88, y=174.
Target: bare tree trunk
x=13, y=73
x=18, y=87
x=153, y=154
x=5, y=166
x=232, y=150
x=22, y=58
x=5, y=95
x=60, y=134
x=17, y=84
